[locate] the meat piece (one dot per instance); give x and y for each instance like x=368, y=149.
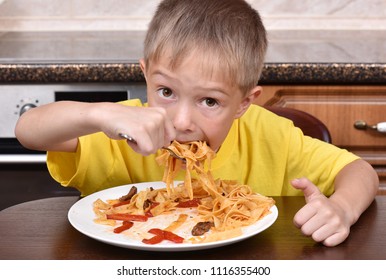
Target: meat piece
x=201, y=227
x=131, y=193
x=146, y=204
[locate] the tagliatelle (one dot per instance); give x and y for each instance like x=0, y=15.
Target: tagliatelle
x=196, y=155
x=227, y=204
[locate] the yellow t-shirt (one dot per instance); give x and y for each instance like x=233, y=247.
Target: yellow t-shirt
x=261, y=149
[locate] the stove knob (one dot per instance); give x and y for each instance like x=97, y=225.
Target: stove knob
x=26, y=107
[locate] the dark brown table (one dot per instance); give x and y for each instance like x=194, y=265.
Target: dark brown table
x=40, y=230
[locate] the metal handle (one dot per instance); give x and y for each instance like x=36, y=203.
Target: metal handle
x=128, y=138
x=24, y=158
x=380, y=127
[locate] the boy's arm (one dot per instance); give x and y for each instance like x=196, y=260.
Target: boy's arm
x=328, y=220
x=57, y=126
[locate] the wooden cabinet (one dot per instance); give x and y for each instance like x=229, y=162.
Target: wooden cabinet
x=339, y=107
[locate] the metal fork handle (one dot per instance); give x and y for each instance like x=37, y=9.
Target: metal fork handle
x=128, y=138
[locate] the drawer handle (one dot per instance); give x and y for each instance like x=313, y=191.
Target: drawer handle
x=380, y=127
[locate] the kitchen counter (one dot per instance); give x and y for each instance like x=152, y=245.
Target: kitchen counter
x=294, y=57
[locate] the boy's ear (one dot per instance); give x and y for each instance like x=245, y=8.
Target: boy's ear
x=247, y=100
x=143, y=66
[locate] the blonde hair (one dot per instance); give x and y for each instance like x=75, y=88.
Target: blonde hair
x=228, y=33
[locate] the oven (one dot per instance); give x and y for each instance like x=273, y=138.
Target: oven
x=17, y=99
x=23, y=173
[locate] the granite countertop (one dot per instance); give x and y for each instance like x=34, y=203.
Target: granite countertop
x=294, y=57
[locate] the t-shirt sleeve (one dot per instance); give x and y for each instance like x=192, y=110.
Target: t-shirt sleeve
x=319, y=161
x=96, y=165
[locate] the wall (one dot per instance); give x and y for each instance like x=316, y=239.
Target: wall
x=89, y=15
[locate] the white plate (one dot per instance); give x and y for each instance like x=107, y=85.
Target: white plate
x=81, y=217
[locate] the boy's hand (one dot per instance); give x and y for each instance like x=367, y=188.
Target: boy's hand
x=150, y=127
x=321, y=218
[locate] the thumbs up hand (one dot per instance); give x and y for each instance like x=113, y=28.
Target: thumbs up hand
x=321, y=218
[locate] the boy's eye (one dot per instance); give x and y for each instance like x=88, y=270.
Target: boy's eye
x=165, y=92
x=210, y=102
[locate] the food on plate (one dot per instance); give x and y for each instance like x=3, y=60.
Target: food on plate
x=201, y=227
x=200, y=209
x=161, y=235
x=125, y=225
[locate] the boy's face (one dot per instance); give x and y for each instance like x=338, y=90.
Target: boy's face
x=201, y=106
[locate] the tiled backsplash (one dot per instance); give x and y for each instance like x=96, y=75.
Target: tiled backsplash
x=58, y=15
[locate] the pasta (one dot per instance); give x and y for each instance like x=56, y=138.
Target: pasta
x=196, y=154
x=226, y=205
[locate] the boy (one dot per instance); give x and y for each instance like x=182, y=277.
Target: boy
x=202, y=61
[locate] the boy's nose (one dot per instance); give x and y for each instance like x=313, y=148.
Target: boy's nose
x=183, y=119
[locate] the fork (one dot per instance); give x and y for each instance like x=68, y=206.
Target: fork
x=132, y=140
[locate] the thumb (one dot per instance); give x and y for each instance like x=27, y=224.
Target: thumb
x=310, y=191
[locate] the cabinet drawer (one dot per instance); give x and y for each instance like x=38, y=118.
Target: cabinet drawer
x=339, y=108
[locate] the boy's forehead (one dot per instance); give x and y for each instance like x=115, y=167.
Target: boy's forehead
x=202, y=62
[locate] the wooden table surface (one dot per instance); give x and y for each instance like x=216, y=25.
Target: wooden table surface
x=40, y=230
